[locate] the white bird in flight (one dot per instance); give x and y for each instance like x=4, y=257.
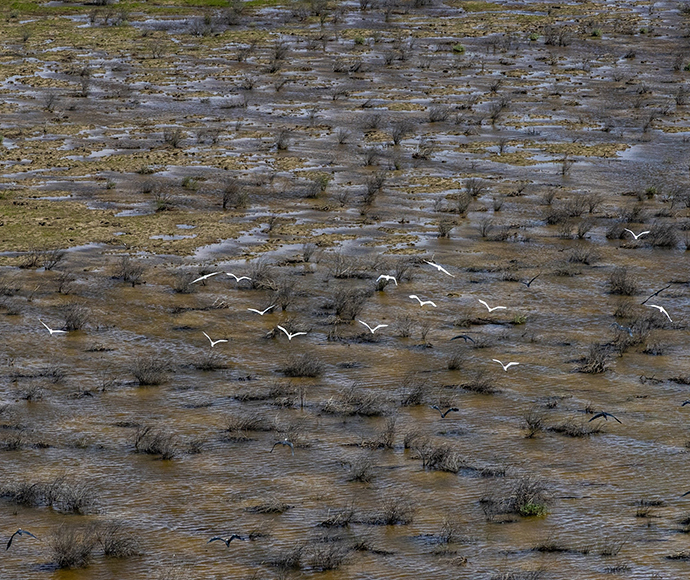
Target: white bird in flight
x=52, y=332
x=261, y=312
x=290, y=336
x=507, y=366
x=388, y=278
x=213, y=342
x=372, y=330
x=634, y=235
x=439, y=268
x=662, y=310
x=494, y=308
x=422, y=302
x=204, y=277
x=237, y=279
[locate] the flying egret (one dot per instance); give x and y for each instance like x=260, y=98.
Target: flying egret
x=506, y=366
x=388, y=278
x=19, y=532
x=261, y=312
x=284, y=442
x=494, y=308
x=237, y=279
x=634, y=235
x=422, y=302
x=605, y=415
x=444, y=413
x=204, y=277
x=52, y=332
x=226, y=540
x=439, y=268
x=290, y=336
x=372, y=330
x=662, y=310
x=213, y=342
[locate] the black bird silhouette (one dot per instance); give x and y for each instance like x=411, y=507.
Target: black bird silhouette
x=19, y=532
x=686, y=493
x=284, y=442
x=444, y=413
x=464, y=337
x=605, y=415
x=528, y=284
x=226, y=540
x=685, y=403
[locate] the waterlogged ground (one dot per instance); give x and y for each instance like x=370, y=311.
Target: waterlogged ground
x=313, y=148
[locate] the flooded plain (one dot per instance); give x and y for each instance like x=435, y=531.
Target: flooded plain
x=314, y=148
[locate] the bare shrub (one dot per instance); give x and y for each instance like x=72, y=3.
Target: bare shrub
x=290, y=559
x=413, y=390
x=622, y=282
x=238, y=425
x=349, y=302
x=480, y=383
x=527, y=497
x=438, y=114
x=173, y=137
x=356, y=401
x=130, y=270
x=183, y=282
x=572, y=428
x=400, y=130
x=234, y=196
x=273, y=505
x=209, y=360
x=361, y=469
x=302, y=365
x=117, y=541
x=150, y=370
x=393, y=510
x=438, y=457
x=156, y=442
x=596, y=360
x=261, y=275
x=76, y=316
x=282, y=139
x=663, y=235
x=71, y=546
x=325, y=556
x=534, y=421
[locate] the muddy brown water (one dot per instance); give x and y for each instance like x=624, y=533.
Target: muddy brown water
x=175, y=506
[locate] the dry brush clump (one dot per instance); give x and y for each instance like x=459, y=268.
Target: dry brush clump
x=356, y=400
x=438, y=457
x=621, y=282
x=302, y=365
x=117, y=541
x=72, y=545
x=61, y=494
x=527, y=497
x=238, y=425
x=393, y=510
x=596, y=360
x=150, y=370
x=154, y=441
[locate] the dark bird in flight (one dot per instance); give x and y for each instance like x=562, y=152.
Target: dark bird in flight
x=464, y=337
x=605, y=415
x=685, y=403
x=444, y=413
x=226, y=540
x=528, y=284
x=284, y=442
x=19, y=532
